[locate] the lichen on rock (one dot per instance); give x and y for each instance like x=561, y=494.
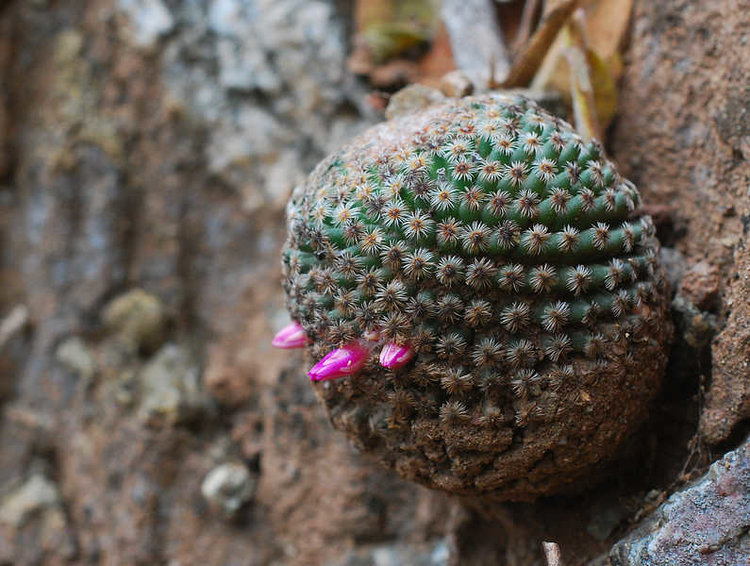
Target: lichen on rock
x=36, y=494
x=228, y=487
x=170, y=387
x=137, y=318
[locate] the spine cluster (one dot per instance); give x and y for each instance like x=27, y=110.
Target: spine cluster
x=496, y=237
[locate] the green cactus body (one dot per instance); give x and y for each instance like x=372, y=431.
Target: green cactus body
x=513, y=258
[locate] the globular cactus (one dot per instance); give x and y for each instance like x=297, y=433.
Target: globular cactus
x=482, y=295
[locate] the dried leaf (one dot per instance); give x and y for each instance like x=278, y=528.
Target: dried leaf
x=530, y=8
x=581, y=85
x=388, y=28
x=399, y=42
x=527, y=63
x=605, y=87
x=606, y=25
x=476, y=39
x=389, y=39
x=606, y=22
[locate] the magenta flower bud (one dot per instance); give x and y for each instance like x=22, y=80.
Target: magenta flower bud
x=291, y=336
x=340, y=363
x=394, y=356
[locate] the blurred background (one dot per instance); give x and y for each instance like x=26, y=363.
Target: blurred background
x=147, y=150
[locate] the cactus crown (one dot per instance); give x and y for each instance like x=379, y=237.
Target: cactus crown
x=492, y=237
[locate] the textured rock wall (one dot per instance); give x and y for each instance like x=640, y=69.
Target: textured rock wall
x=691, y=153
x=705, y=523
x=152, y=145
x=147, y=148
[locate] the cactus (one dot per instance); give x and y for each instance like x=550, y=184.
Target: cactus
x=482, y=295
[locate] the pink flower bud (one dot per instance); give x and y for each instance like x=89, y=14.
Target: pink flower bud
x=291, y=336
x=340, y=363
x=394, y=356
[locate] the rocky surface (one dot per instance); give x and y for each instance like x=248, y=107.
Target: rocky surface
x=147, y=149
x=691, y=153
x=228, y=487
x=705, y=523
